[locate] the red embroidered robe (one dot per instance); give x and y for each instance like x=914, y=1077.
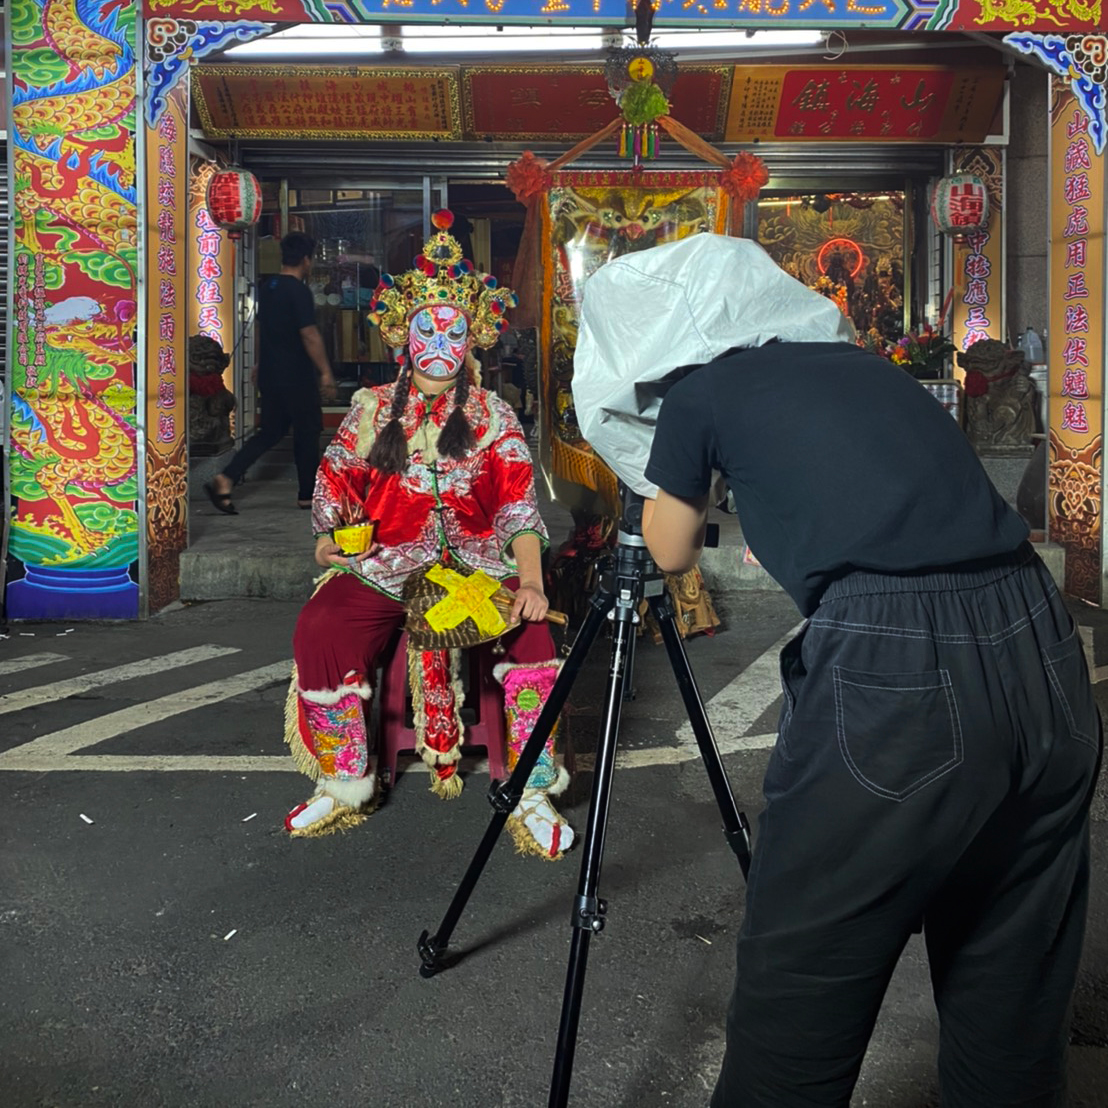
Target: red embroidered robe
x=470, y=509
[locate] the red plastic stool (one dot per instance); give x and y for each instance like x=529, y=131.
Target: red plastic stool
x=482, y=710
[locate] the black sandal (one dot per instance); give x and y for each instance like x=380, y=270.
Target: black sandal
x=221, y=501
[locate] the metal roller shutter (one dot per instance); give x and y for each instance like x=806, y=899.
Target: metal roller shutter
x=796, y=167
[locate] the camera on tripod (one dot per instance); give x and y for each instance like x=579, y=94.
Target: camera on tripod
x=631, y=513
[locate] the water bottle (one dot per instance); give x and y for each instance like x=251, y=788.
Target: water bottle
x=1032, y=346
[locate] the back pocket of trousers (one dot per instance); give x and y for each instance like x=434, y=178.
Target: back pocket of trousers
x=897, y=731
x=1069, y=678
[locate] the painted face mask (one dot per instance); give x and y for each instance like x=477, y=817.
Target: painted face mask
x=438, y=338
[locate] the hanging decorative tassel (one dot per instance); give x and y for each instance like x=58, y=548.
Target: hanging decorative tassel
x=638, y=141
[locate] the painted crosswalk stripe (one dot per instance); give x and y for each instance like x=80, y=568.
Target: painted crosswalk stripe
x=85, y=682
x=736, y=707
x=673, y=755
x=15, y=762
x=48, y=748
x=30, y=661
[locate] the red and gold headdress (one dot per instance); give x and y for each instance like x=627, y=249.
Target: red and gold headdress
x=442, y=276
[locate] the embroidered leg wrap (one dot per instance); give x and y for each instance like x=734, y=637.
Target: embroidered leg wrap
x=535, y=825
x=330, y=745
x=437, y=701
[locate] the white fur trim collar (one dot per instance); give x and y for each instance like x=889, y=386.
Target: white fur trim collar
x=327, y=697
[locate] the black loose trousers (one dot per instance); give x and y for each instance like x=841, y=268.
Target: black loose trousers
x=934, y=767
x=285, y=404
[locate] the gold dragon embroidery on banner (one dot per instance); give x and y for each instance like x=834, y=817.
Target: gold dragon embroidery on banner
x=224, y=7
x=1025, y=13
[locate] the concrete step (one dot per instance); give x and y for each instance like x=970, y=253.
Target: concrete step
x=266, y=550
x=724, y=567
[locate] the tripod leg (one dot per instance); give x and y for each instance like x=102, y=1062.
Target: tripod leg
x=588, y=909
x=736, y=829
x=504, y=796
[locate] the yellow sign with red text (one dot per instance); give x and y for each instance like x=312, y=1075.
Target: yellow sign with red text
x=166, y=348
x=1075, y=348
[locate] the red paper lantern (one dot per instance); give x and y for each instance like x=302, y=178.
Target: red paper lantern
x=234, y=200
x=960, y=205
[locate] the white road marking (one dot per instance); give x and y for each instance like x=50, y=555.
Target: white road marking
x=673, y=755
x=736, y=707
x=732, y=711
x=145, y=763
x=30, y=661
x=85, y=682
x=45, y=752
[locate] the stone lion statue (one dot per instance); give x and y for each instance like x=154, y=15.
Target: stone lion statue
x=1000, y=395
x=210, y=401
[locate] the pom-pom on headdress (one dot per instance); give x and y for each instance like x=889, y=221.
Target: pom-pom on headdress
x=442, y=276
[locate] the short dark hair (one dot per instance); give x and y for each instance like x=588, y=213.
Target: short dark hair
x=295, y=247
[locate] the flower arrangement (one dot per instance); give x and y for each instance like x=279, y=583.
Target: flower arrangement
x=745, y=177
x=528, y=177
x=922, y=353
x=833, y=291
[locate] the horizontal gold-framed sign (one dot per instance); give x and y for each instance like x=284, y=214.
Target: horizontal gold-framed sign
x=327, y=102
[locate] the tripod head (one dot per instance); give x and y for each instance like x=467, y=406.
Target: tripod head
x=630, y=519
x=630, y=516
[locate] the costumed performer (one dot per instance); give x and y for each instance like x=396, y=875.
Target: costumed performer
x=441, y=466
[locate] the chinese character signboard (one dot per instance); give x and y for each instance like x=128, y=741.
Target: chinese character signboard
x=72, y=461
x=912, y=103
x=167, y=235
x=976, y=296
x=211, y=268
x=327, y=102
x=1076, y=348
x=519, y=103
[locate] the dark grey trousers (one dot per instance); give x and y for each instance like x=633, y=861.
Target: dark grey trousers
x=934, y=767
x=284, y=405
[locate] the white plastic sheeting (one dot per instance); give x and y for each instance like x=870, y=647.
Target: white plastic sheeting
x=647, y=315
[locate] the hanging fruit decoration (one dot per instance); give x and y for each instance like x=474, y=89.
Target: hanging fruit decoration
x=234, y=200
x=640, y=79
x=960, y=205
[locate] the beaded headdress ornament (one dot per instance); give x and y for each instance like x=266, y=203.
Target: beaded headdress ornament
x=442, y=276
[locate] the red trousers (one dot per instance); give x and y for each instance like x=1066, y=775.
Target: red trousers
x=345, y=627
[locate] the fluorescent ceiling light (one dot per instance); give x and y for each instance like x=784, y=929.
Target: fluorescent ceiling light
x=466, y=38
x=319, y=39
x=673, y=38
x=312, y=39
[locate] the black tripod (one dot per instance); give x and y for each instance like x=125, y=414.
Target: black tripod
x=630, y=578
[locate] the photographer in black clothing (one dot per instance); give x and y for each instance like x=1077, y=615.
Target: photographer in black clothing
x=939, y=742
x=291, y=373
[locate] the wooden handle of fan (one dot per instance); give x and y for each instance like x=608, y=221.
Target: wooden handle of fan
x=551, y=616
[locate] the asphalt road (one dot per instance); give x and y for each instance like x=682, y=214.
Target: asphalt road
x=162, y=942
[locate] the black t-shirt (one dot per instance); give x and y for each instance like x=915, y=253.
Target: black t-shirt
x=285, y=305
x=837, y=460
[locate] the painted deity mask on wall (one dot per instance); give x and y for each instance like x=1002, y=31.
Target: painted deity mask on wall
x=438, y=338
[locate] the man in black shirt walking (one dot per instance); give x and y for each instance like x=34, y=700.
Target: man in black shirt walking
x=939, y=741
x=292, y=370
